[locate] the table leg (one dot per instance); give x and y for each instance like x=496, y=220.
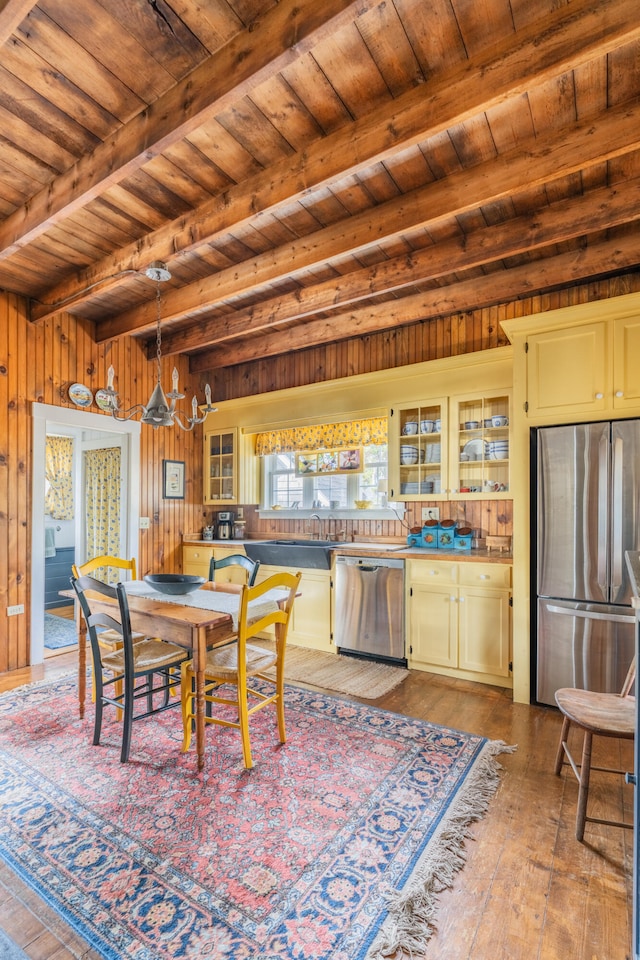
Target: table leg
x=199, y=658
x=81, y=628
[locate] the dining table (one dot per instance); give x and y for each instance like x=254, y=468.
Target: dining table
x=187, y=620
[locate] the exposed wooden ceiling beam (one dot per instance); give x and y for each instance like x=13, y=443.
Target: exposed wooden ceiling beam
x=12, y=13
x=569, y=37
x=606, y=257
x=531, y=164
x=286, y=31
x=598, y=210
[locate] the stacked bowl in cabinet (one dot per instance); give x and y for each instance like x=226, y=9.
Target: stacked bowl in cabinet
x=498, y=449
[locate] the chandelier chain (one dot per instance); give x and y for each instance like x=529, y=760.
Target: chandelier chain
x=158, y=333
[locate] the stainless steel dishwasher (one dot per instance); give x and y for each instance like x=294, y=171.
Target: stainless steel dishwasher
x=369, y=613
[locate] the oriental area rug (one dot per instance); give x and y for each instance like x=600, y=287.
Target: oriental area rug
x=334, y=847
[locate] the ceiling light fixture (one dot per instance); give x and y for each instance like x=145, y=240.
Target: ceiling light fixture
x=157, y=412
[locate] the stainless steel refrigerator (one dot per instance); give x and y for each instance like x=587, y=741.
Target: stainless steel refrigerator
x=587, y=510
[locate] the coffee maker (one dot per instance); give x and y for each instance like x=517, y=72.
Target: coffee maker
x=225, y=525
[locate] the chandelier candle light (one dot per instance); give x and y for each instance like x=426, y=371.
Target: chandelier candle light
x=157, y=411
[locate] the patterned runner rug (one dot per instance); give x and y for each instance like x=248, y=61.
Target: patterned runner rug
x=332, y=848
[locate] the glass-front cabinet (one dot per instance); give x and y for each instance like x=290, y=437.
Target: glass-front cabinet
x=221, y=465
x=456, y=448
x=479, y=432
x=418, y=451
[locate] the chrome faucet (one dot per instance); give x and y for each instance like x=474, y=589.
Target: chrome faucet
x=314, y=516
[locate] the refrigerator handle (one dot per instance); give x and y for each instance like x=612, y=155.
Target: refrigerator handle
x=603, y=514
x=591, y=615
x=616, y=524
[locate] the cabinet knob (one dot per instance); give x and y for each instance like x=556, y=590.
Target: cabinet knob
x=599, y=396
x=196, y=554
x=433, y=573
x=619, y=393
x=484, y=576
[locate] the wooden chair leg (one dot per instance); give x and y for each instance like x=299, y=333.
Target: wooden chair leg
x=128, y=719
x=97, y=723
x=243, y=719
x=566, y=723
x=583, y=793
x=186, y=686
x=282, y=732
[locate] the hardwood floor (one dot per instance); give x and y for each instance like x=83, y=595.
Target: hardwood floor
x=528, y=891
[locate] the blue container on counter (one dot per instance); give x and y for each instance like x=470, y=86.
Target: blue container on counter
x=429, y=534
x=446, y=534
x=462, y=539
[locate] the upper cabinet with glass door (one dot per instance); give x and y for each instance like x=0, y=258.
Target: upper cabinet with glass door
x=221, y=467
x=418, y=451
x=480, y=463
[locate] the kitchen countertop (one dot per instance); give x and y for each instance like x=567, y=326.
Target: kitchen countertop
x=372, y=548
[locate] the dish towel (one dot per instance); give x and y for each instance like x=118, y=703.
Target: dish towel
x=49, y=542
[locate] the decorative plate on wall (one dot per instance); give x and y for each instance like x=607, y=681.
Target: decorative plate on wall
x=81, y=395
x=103, y=400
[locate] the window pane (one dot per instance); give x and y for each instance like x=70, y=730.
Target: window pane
x=330, y=489
x=284, y=489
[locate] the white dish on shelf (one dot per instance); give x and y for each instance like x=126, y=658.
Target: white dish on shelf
x=434, y=478
x=475, y=449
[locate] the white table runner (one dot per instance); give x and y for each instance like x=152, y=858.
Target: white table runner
x=214, y=600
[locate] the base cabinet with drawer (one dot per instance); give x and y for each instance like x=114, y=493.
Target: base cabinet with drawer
x=197, y=557
x=310, y=624
x=459, y=619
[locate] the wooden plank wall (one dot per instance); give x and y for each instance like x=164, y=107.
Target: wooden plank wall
x=427, y=340
x=39, y=363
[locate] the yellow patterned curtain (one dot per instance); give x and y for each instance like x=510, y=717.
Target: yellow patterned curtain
x=58, y=502
x=329, y=436
x=102, y=499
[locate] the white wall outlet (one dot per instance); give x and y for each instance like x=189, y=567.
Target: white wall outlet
x=18, y=608
x=145, y=523
x=430, y=513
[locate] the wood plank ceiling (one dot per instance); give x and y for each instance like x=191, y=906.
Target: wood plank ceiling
x=311, y=170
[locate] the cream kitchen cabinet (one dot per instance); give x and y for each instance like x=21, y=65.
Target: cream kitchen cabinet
x=479, y=445
x=221, y=467
x=584, y=370
x=310, y=624
x=459, y=619
x=454, y=448
x=418, y=451
x=197, y=557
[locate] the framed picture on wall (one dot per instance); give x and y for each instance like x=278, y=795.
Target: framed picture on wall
x=329, y=461
x=173, y=479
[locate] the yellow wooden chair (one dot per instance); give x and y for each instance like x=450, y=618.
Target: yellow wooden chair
x=109, y=640
x=234, y=663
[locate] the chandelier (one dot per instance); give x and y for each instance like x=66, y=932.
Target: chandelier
x=157, y=412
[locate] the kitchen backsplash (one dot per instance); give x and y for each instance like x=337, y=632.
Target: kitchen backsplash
x=485, y=517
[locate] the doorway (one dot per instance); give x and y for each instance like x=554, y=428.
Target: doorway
x=102, y=432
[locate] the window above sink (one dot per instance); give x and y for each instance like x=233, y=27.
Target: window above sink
x=285, y=488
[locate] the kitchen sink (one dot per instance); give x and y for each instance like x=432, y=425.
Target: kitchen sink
x=292, y=553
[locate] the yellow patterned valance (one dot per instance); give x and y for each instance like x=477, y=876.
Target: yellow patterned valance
x=328, y=436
